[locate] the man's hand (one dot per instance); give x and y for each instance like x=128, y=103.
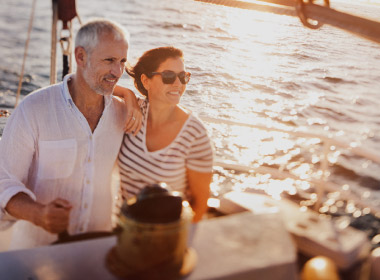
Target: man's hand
x=134, y=115
x=55, y=216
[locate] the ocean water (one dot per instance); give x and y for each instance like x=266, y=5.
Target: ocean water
x=246, y=66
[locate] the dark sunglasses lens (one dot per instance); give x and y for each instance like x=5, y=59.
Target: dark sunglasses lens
x=184, y=77
x=168, y=77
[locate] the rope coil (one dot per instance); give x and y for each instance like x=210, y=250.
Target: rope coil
x=65, y=11
x=66, y=47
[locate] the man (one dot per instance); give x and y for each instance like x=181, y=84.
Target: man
x=60, y=144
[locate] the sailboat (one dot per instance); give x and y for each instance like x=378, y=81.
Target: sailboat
x=302, y=226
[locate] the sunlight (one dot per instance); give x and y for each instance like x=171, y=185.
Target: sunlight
x=254, y=41
x=251, y=26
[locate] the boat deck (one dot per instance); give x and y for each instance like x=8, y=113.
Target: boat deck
x=241, y=246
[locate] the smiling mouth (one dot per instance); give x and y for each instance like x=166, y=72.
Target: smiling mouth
x=113, y=81
x=174, y=93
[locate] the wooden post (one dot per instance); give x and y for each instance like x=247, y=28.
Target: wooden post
x=53, y=54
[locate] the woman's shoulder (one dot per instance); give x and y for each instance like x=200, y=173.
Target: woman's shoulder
x=196, y=124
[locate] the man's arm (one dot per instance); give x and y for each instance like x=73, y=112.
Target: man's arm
x=53, y=217
x=17, y=149
x=134, y=115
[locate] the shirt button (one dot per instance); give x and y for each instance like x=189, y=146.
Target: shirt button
x=85, y=206
x=88, y=181
x=89, y=160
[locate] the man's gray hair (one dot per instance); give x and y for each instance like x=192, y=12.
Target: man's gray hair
x=88, y=35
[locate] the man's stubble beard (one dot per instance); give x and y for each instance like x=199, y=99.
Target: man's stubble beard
x=92, y=81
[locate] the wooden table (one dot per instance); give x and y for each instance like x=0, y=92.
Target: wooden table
x=240, y=246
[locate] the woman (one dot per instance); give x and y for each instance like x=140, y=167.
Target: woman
x=172, y=145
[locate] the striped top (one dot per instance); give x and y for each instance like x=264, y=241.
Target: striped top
x=138, y=167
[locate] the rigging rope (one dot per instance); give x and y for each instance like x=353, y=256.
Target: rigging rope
x=66, y=13
x=25, y=52
x=363, y=27
x=66, y=47
x=53, y=50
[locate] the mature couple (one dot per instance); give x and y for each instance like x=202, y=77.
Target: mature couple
x=60, y=145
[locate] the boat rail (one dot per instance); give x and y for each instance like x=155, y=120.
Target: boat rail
x=323, y=185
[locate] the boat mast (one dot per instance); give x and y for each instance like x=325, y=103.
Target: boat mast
x=65, y=11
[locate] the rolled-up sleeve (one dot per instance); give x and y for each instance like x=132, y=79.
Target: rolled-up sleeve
x=17, y=148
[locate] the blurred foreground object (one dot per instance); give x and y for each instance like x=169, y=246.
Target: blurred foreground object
x=152, y=239
x=320, y=268
x=375, y=264
x=313, y=234
x=244, y=246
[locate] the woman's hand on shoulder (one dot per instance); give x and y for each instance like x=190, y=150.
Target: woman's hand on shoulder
x=133, y=121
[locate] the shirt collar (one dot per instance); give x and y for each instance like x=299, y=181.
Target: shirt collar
x=67, y=95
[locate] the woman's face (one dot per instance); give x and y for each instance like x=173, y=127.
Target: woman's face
x=167, y=93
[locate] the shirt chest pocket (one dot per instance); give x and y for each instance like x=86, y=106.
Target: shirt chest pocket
x=56, y=158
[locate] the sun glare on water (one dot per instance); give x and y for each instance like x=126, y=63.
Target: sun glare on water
x=249, y=26
x=262, y=70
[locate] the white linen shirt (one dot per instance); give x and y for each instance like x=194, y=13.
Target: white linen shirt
x=48, y=151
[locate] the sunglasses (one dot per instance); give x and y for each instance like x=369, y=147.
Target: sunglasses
x=169, y=77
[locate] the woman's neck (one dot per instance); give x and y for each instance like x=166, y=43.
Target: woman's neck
x=162, y=114
x=163, y=125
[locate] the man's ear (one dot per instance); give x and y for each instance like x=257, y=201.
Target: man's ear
x=81, y=56
x=145, y=81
